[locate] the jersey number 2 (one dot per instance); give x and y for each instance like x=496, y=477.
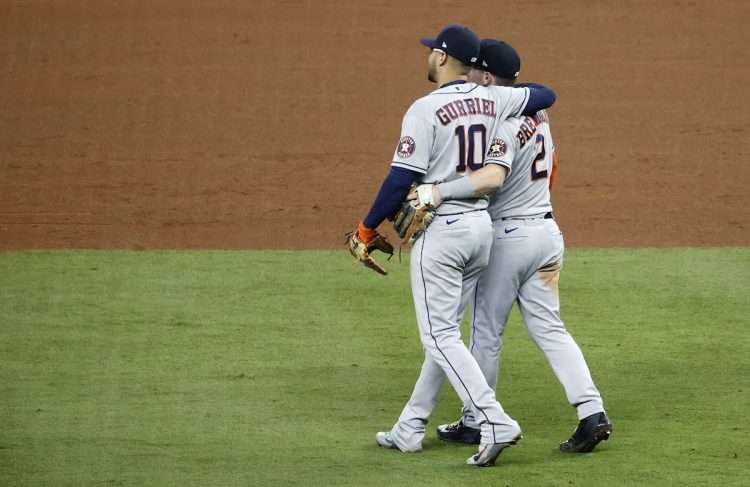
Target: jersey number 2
x=466, y=152
x=542, y=152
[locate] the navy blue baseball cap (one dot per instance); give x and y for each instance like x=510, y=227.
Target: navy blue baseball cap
x=456, y=41
x=499, y=58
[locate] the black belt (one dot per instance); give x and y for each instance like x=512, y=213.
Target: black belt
x=547, y=216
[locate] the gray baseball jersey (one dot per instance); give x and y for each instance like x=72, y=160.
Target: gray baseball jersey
x=525, y=264
x=444, y=134
x=524, y=146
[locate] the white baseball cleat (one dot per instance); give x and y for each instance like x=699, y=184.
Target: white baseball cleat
x=489, y=452
x=384, y=439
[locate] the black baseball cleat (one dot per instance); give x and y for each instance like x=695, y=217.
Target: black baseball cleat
x=591, y=430
x=458, y=432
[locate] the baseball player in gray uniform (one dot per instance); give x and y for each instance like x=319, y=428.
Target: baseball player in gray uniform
x=445, y=135
x=525, y=262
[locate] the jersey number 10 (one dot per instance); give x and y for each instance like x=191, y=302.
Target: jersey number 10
x=467, y=151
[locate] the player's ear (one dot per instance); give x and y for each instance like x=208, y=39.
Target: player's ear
x=443, y=59
x=486, y=78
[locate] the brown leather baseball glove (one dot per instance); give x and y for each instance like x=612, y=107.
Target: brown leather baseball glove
x=411, y=220
x=363, y=241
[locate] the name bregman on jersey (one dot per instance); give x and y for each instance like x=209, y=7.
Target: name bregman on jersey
x=465, y=107
x=528, y=127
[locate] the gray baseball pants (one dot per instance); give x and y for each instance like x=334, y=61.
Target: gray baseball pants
x=446, y=263
x=524, y=267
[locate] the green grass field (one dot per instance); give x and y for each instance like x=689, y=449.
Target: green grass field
x=277, y=368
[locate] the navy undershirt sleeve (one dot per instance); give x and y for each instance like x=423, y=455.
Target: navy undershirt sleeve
x=528, y=85
x=392, y=193
x=540, y=97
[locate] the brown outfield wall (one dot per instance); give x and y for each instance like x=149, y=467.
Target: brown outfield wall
x=270, y=124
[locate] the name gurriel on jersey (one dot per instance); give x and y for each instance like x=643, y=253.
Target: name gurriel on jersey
x=465, y=107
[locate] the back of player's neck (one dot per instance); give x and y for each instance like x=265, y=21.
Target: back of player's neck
x=442, y=81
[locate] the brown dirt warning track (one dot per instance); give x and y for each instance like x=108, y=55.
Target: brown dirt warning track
x=270, y=124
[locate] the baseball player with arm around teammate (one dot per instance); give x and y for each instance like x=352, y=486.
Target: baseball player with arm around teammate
x=526, y=260
x=444, y=135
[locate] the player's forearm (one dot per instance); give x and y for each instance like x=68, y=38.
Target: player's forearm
x=391, y=194
x=488, y=179
x=479, y=183
x=540, y=97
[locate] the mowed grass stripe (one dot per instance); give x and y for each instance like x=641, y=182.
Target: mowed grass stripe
x=277, y=368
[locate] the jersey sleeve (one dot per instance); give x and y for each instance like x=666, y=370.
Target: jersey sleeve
x=502, y=148
x=511, y=102
x=415, y=144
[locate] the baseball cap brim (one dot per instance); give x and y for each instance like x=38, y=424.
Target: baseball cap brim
x=431, y=43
